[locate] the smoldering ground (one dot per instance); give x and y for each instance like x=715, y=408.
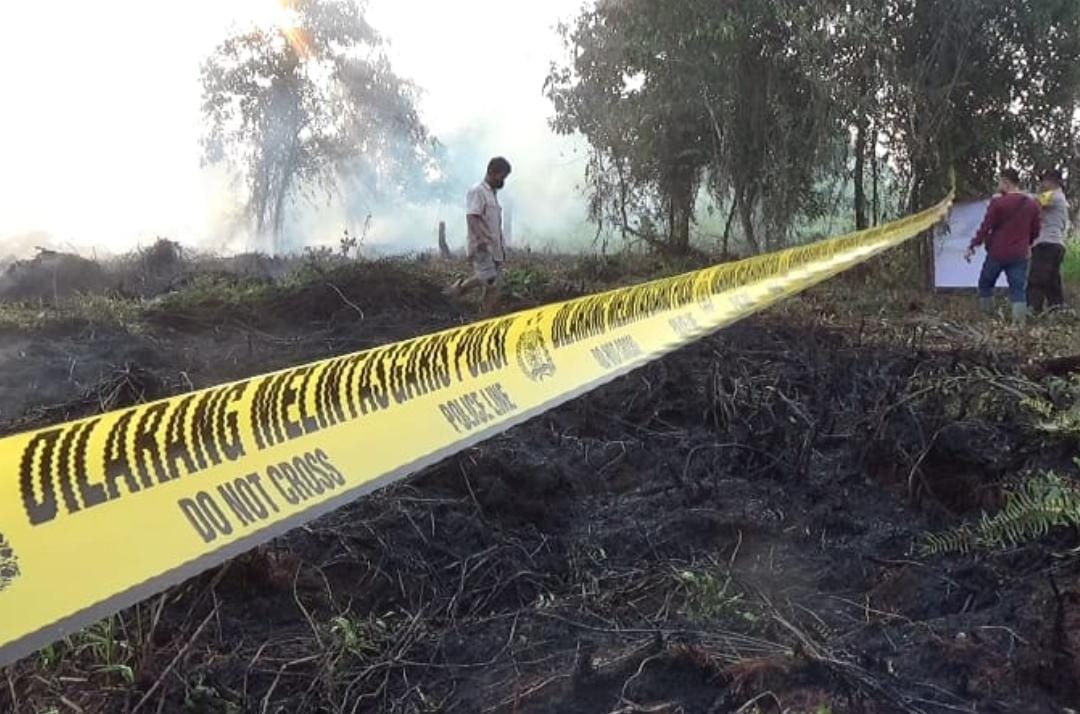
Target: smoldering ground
x=734, y=523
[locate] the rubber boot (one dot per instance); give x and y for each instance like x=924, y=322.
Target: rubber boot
x=1019, y=313
x=986, y=305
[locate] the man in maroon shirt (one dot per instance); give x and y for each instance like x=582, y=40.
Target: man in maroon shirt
x=1012, y=224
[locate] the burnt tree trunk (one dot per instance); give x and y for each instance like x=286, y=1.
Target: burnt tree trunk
x=444, y=247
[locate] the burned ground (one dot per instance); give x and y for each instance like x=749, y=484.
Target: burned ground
x=731, y=529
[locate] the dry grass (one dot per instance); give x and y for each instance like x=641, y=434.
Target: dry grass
x=72, y=313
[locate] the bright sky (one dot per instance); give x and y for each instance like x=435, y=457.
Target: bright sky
x=100, y=121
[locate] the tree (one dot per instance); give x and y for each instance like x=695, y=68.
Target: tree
x=972, y=85
x=764, y=102
x=633, y=92
x=672, y=97
x=963, y=85
x=778, y=134
x=307, y=106
x=859, y=52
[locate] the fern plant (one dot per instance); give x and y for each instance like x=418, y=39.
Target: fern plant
x=1050, y=417
x=1031, y=510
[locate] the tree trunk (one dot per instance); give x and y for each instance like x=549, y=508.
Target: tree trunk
x=746, y=214
x=624, y=226
x=727, y=229
x=861, y=222
x=680, y=210
x=1072, y=167
x=444, y=247
x=281, y=195
x=874, y=170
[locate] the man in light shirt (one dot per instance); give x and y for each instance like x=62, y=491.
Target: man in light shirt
x=1048, y=251
x=487, y=251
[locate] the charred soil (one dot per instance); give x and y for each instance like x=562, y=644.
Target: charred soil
x=731, y=529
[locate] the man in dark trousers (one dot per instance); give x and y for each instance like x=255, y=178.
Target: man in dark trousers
x=1044, y=281
x=1011, y=225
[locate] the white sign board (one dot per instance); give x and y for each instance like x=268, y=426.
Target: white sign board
x=950, y=268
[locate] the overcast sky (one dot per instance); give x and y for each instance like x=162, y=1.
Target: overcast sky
x=100, y=119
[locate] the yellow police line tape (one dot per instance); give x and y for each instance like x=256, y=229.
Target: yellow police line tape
x=98, y=514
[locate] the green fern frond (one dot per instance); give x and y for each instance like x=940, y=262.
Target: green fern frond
x=960, y=540
x=1032, y=509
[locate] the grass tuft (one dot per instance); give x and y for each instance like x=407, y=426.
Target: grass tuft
x=1070, y=269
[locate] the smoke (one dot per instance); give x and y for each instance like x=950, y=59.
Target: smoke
x=542, y=203
x=479, y=102
x=25, y=245
x=128, y=171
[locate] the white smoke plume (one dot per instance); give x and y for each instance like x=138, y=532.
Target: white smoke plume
x=101, y=148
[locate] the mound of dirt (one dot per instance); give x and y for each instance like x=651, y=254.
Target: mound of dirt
x=167, y=267
x=257, y=265
x=312, y=296
x=360, y=288
x=58, y=378
x=51, y=277
x=150, y=271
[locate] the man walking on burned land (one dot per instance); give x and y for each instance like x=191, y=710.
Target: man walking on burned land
x=1044, y=281
x=487, y=251
x=1011, y=225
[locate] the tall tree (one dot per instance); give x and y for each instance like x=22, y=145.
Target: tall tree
x=632, y=89
x=675, y=96
x=859, y=55
x=300, y=107
x=979, y=83
x=796, y=92
x=778, y=132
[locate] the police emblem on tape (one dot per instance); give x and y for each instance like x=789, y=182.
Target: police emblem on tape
x=9, y=564
x=533, y=355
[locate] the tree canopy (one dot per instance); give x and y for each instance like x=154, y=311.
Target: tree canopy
x=302, y=108
x=764, y=103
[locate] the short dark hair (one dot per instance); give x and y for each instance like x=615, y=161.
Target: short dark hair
x=499, y=165
x=1054, y=176
x=1012, y=176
